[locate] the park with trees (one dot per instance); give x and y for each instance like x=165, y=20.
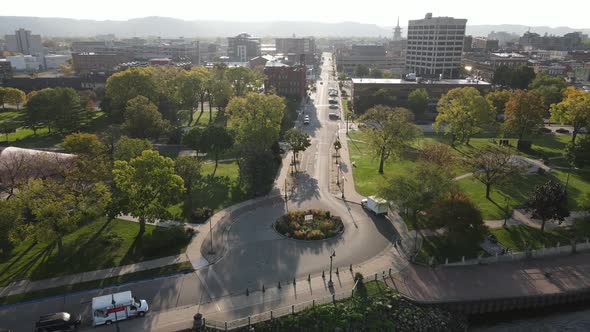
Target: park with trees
x=488, y=160
x=158, y=143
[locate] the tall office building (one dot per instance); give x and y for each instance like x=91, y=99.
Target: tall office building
x=24, y=42
x=243, y=47
x=435, y=46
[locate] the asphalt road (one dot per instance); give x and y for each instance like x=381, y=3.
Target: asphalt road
x=257, y=254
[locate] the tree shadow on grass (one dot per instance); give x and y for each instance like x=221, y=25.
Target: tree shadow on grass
x=37, y=260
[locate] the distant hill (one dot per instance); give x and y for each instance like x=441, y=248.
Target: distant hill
x=171, y=27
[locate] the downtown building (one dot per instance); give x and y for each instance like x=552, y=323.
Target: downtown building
x=243, y=47
x=435, y=46
x=24, y=42
x=370, y=56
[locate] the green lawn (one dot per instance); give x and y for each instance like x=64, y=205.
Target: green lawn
x=515, y=237
x=442, y=247
x=204, y=120
x=94, y=246
x=125, y=278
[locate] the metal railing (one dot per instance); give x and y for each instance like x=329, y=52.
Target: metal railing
x=276, y=313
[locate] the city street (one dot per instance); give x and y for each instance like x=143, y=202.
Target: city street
x=257, y=255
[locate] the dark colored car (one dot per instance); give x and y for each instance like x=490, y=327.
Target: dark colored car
x=492, y=238
x=562, y=131
x=545, y=130
x=59, y=321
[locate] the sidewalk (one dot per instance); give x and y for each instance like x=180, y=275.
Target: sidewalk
x=26, y=286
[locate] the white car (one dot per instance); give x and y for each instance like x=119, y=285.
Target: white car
x=306, y=120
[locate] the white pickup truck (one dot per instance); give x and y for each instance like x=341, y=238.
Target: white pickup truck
x=378, y=206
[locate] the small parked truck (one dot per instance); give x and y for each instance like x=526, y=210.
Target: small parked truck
x=378, y=206
x=108, y=309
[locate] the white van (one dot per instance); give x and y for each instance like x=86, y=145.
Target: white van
x=110, y=308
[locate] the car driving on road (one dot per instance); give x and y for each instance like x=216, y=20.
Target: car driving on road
x=306, y=120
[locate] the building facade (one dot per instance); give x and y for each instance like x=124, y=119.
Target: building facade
x=24, y=42
x=371, y=56
x=298, y=46
x=5, y=69
x=54, y=61
x=286, y=80
x=86, y=63
x=27, y=63
x=482, y=44
x=242, y=47
x=435, y=46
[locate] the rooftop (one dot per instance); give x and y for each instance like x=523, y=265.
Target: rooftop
x=467, y=81
x=509, y=55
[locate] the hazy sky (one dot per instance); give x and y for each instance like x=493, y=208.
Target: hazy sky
x=573, y=13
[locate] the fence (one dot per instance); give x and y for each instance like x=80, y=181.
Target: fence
x=516, y=256
x=276, y=313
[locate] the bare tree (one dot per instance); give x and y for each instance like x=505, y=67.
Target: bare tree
x=493, y=165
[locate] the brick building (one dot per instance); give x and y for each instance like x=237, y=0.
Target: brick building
x=286, y=80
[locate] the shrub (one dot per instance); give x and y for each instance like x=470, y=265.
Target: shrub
x=315, y=234
x=200, y=215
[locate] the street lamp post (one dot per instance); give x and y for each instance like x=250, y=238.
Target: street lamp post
x=342, y=187
x=506, y=211
x=330, y=282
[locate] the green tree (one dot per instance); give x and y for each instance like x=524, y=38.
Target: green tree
x=3, y=97
x=578, y=153
x=66, y=113
x=142, y=119
x=574, y=110
x=493, y=166
x=298, y=141
x=192, y=86
x=55, y=209
x=148, y=185
x=10, y=213
x=38, y=110
x=244, y=80
x=257, y=170
x=194, y=139
x=220, y=94
x=376, y=73
x=361, y=71
x=523, y=113
x=189, y=169
x=128, y=148
x=128, y=84
x=462, y=113
x=8, y=127
x=548, y=202
x=498, y=100
x=389, y=131
x=84, y=143
x=460, y=216
x=515, y=78
x=418, y=102
x=216, y=140
x=15, y=97
x=256, y=119
x=415, y=193
x=550, y=87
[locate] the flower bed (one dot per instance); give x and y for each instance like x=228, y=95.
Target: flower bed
x=321, y=225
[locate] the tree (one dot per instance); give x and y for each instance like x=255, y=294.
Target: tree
x=84, y=144
x=416, y=192
x=66, y=70
x=460, y=216
x=15, y=97
x=492, y=166
x=66, y=113
x=257, y=170
x=389, y=131
x=38, y=110
x=256, y=119
x=142, y=119
x=55, y=209
x=298, y=141
x=128, y=148
x=194, y=139
x=361, y=71
x=515, y=78
x=438, y=154
x=128, y=84
x=220, y=93
x=192, y=86
x=462, y=113
x=498, y=100
x=574, y=110
x=578, y=153
x=216, y=140
x=8, y=127
x=523, y=113
x=376, y=73
x=418, y=102
x=550, y=87
x=189, y=169
x=244, y=80
x=148, y=185
x=548, y=202
x=10, y=212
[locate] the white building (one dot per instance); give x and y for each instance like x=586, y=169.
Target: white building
x=25, y=63
x=435, y=46
x=54, y=61
x=24, y=42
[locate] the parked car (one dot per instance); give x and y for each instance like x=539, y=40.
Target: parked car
x=333, y=116
x=306, y=120
x=562, y=131
x=58, y=321
x=333, y=106
x=544, y=130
